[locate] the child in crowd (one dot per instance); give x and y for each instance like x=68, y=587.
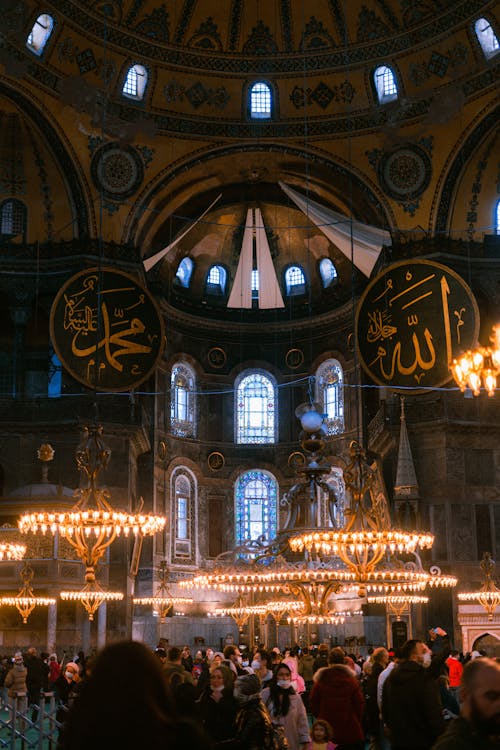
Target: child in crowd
x=321, y=733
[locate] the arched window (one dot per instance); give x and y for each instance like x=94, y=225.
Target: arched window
x=13, y=218
x=497, y=218
x=486, y=37
x=330, y=394
x=328, y=272
x=255, y=408
x=216, y=280
x=295, y=281
x=182, y=401
x=260, y=101
x=184, y=271
x=183, y=514
x=256, y=503
x=385, y=84
x=135, y=82
x=40, y=33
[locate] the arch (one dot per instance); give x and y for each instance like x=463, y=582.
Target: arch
x=184, y=272
x=216, y=280
x=327, y=272
x=13, y=218
x=183, y=400
x=256, y=495
x=136, y=80
x=295, y=281
x=260, y=101
x=385, y=83
x=330, y=394
x=67, y=164
x=183, y=494
x=255, y=408
x=40, y=34
x=486, y=37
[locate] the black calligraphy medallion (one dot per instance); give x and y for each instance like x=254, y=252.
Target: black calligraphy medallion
x=412, y=319
x=106, y=329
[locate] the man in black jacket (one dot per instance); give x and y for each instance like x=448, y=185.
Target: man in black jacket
x=36, y=679
x=411, y=706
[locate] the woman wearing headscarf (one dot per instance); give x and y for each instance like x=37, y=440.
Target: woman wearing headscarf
x=15, y=682
x=286, y=708
x=216, y=706
x=65, y=688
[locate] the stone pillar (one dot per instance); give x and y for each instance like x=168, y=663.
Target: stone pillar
x=102, y=614
x=52, y=628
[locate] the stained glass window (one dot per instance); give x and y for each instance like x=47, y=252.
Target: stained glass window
x=55, y=375
x=183, y=509
x=135, y=82
x=256, y=501
x=328, y=272
x=385, y=84
x=255, y=408
x=182, y=401
x=497, y=218
x=260, y=101
x=40, y=33
x=330, y=394
x=486, y=37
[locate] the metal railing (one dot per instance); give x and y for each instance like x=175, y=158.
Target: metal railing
x=19, y=731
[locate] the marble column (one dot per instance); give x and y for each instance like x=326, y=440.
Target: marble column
x=102, y=614
x=52, y=628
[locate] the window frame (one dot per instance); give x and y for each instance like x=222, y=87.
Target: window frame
x=14, y=202
x=242, y=515
x=183, y=425
x=381, y=95
x=295, y=290
x=219, y=288
x=141, y=91
x=183, y=548
x=243, y=413
x=488, y=51
x=334, y=424
x=256, y=117
x=186, y=261
x=332, y=280
x=38, y=49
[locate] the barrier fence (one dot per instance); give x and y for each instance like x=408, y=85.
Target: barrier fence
x=32, y=727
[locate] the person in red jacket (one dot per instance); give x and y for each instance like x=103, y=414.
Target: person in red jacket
x=336, y=697
x=455, y=669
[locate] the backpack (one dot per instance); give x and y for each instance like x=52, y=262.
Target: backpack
x=275, y=738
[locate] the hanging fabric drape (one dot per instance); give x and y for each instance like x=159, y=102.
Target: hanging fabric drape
x=269, y=290
x=241, y=293
x=366, y=240
x=154, y=259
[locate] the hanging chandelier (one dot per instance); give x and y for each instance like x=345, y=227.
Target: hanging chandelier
x=25, y=600
x=162, y=600
x=12, y=551
x=397, y=605
x=313, y=563
x=92, y=524
x=488, y=596
x=91, y=596
x=480, y=367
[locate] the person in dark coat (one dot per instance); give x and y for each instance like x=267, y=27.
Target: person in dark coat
x=65, y=689
x=217, y=708
x=336, y=697
x=478, y=726
x=321, y=660
x=411, y=706
x=379, y=661
x=253, y=723
x=37, y=679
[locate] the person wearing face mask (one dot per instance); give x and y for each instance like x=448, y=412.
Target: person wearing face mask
x=411, y=705
x=478, y=726
x=65, y=688
x=286, y=708
x=15, y=681
x=216, y=707
x=253, y=723
x=260, y=667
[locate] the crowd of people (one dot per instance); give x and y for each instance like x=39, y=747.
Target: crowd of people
x=419, y=698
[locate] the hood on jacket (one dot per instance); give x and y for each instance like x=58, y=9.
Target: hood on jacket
x=333, y=674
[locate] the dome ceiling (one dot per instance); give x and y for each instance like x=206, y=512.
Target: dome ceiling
x=256, y=29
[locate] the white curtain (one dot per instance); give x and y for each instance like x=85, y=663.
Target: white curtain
x=360, y=242
x=241, y=293
x=153, y=259
x=269, y=290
